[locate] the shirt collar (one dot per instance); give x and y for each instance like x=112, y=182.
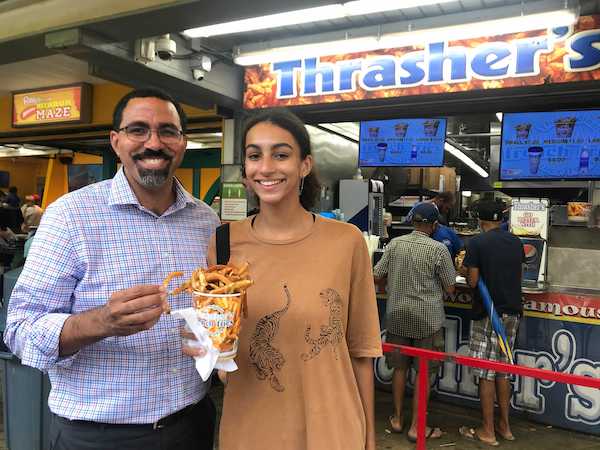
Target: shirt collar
x=122, y=194
x=420, y=234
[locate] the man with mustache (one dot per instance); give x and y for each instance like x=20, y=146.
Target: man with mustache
x=88, y=305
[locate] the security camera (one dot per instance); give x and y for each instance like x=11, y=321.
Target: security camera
x=198, y=74
x=200, y=67
x=165, y=47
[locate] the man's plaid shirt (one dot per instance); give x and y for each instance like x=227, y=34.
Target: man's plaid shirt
x=91, y=243
x=418, y=270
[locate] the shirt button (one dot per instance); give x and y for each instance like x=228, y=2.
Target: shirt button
x=174, y=370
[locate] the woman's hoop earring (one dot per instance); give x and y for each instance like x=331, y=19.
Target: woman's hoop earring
x=301, y=185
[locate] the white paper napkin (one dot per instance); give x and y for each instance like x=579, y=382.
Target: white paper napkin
x=208, y=362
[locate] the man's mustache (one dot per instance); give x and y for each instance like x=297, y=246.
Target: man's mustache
x=147, y=153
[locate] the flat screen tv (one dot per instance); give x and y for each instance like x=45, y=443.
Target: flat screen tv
x=402, y=143
x=558, y=145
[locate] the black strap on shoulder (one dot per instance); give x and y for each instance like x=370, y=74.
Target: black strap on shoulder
x=223, y=244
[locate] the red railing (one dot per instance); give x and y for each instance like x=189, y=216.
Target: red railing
x=426, y=355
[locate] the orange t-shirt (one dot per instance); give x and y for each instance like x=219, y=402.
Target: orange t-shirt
x=311, y=309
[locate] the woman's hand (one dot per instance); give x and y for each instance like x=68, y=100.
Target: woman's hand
x=190, y=345
x=222, y=376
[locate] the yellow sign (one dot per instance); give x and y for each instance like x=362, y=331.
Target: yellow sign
x=66, y=104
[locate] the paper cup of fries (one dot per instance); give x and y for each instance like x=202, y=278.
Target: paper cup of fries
x=220, y=314
x=219, y=302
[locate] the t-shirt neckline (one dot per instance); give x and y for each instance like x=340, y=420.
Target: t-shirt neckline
x=311, y=229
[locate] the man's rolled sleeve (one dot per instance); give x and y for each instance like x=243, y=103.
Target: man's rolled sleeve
x=39, y=345
x=381, y=268
x=41, y=301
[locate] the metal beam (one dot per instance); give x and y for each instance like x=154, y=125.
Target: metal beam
x=23, y=50
x=114, y=61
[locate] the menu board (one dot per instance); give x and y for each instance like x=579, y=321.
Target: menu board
x=550, y=145
x=402, y=142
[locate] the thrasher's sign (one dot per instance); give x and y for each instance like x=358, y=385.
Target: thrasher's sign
x=560, y=55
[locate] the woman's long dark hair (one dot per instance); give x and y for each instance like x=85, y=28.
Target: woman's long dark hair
x=292, y=124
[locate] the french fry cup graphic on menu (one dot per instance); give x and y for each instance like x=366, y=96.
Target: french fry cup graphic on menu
x=430, y=127
x=522, y=130
x=400, y=129
x=564, y=127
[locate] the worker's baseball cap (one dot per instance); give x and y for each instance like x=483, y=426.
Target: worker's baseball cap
x=425, y=212
x=490, y=211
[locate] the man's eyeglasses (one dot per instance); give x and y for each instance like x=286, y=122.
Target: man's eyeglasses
x=141, y=133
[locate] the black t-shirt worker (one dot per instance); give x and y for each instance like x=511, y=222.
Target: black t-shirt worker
x=496, y=256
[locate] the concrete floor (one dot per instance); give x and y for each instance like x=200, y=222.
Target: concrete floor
x=529, y=436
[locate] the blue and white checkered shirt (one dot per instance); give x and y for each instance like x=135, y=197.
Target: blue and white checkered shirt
x=90, y=243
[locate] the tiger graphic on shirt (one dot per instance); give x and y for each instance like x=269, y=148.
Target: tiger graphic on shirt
x=266, y=359
x=330, y=334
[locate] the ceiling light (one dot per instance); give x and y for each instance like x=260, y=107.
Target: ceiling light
x=347, y=129
x=309, y=15
x=300, y=51
x=454, y=151
x=499, y=116
x=195, y=145
x=12, y=152
x=264, y=22
x=529, y=22
x=363, y=7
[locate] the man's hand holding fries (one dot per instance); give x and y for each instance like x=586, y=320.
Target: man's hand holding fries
x=126, y=312
x=132, y=310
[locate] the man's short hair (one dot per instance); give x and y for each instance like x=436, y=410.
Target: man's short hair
x=147, y=93
x=425, y=213
x=490, y=211
x=446, y=197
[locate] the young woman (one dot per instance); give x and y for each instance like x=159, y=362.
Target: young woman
x=305, y=377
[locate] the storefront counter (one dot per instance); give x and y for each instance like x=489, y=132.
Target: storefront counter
x=560, y=331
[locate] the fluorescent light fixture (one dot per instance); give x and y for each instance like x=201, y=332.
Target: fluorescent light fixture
x=11, y=152
x=194, y=145
x=348, y=129
x=508, y=25
x=466, y=193
x=299, y=51
x=466, y=160
x=499, y=115
x=309, y=15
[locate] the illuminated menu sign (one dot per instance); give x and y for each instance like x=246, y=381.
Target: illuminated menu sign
x=402, y=142
x=57, y=105
x=550, y=145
